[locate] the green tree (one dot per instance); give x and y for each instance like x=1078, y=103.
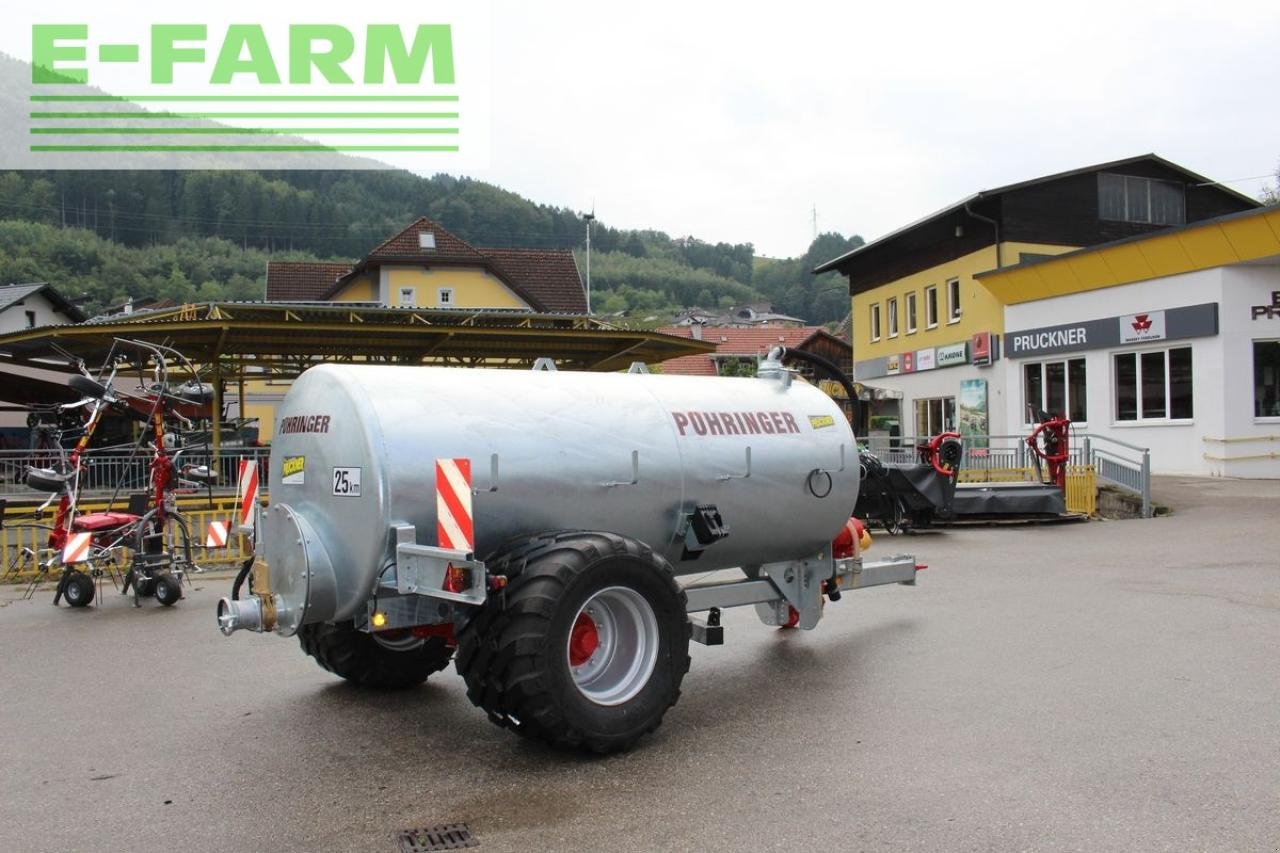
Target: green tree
x=1271, y=195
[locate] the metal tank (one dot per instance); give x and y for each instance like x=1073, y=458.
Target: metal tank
x=355, y=448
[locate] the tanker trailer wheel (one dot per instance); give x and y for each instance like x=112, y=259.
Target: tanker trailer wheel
x=388, y=662
x=587, y=646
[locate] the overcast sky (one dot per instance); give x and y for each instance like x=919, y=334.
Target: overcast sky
x=730, y=121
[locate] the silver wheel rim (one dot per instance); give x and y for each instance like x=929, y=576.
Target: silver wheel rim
x=627, y=648
x=404, y=643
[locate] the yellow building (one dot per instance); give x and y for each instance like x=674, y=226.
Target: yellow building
x=423, y=266
x=926, y=329
x=426, y=266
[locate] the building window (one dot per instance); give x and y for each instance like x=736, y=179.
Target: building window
x=875, y=322
x=931, y=307
x=31, y=319
x=407, y=297
x=1266, y=379
x=953, y=301
x=1124, y=198
x=1056, y=387
x=935, y=415
x=891, y=307
x=1153, y=386
x=444, y=297
x=911, y=313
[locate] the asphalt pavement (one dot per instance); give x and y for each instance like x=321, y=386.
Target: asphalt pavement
x=1091, y=687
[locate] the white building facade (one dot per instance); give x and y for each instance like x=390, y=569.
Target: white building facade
x=1187, y=365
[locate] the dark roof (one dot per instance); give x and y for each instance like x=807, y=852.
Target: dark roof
x=13, y=293
x=546, y=279
x=1261, y=210
x=301, y=281
x=951, y=209
x=550, y=275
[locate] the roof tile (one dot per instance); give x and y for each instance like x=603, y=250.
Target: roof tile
x=301, y=281
x=406, y=245
x=548, y=275
x=751, y=342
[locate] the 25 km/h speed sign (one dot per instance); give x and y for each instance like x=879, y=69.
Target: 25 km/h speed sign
x=346, y=482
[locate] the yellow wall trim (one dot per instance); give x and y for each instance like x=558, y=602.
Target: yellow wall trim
x=1231, y=240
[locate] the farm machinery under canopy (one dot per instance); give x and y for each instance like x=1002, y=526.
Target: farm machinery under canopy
x=562, y=535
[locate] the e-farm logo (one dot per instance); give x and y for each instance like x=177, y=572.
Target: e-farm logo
x=217, y=89
x=323, y=49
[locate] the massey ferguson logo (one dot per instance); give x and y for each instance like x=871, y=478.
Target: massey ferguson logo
x=1142, y=327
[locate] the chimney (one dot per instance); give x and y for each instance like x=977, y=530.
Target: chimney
x=128, y=306
x=696, y=329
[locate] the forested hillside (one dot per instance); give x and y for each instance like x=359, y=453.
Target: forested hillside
x=208, y=235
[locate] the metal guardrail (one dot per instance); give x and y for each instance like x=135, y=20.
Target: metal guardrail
x=1121, y=464
x=1114, y=462
x=24, y=539
x=981, y=452
x=104, y=471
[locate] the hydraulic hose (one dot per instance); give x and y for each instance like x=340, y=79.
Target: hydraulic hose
x=243, y=573
x=829, y=367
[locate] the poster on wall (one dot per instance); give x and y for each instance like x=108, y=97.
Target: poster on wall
x=974, y=423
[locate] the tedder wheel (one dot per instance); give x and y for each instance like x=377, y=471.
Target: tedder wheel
x=146, y=586
x=392, y=662
x=168, y=589
x=78, y=589
x=585, y=648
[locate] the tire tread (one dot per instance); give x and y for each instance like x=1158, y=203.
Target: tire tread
x=357, y=657
x=498, y=650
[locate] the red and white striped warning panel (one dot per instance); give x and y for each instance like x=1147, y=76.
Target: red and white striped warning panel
x=248, y=490
x=453, y=505
x=216, y=535
x=77, y=548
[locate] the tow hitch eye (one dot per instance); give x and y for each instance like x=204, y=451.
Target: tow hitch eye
x=247, y=613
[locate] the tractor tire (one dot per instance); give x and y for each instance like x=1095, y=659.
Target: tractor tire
x=361, y=659
x=167, y=589
x=586, y=647
x=78, y=589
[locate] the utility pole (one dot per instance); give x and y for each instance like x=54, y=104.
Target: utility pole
x=589, y=217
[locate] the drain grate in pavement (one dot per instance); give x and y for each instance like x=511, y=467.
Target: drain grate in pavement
x=447, y=836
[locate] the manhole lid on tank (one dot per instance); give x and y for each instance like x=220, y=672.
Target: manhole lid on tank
x=446, y=836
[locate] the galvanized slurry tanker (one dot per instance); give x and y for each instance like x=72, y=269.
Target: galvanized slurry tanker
x=537, y=523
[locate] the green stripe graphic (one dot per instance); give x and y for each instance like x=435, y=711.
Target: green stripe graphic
x=223, y=98
x=221, y=131
x=191, y=116
x=238, y=148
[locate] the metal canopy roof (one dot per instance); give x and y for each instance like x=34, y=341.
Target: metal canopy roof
x=287, y=338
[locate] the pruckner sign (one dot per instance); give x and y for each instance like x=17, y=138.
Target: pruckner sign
x=1074, y=337
x=240, y=84
x=1170, y=324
